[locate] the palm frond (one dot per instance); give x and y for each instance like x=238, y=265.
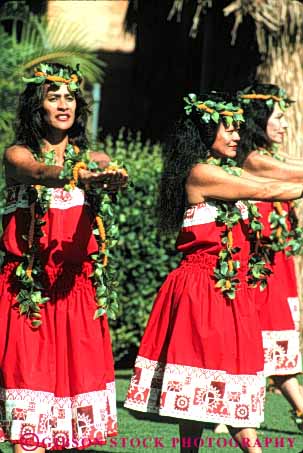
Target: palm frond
x=273, y=18
x=59, y=40
x=72, y=56
x=276, y=20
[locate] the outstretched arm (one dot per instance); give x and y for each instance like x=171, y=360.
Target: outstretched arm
x=22, y=168
x=269, y=167
x=245, y=174
x=291, y=160
x=208, y=181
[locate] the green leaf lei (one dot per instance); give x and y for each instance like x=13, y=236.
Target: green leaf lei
x=258, y=272
x=295, y=238
x=246, y=96
x=29, y=272
x=278, y=224
x=211, y=110
x=274, y=152
x=67, y=75
x=291, y=241
x=229, y=215
x=226, y=269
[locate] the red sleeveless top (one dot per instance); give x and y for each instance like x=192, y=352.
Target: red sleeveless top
x=67, y=231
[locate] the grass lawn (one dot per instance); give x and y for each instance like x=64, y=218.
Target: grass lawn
x=280, y=431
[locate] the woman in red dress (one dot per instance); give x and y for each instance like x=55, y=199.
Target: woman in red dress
x=56, y=368
x=201, y=358
x=278, y=303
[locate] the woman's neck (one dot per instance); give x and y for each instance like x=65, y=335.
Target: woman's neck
x=57, y=144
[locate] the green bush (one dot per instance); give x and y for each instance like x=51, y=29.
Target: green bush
x=143, y=258
x=10, y=87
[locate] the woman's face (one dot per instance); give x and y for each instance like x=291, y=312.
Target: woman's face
x=276, y=125
x=59, y=107
x=226, y=141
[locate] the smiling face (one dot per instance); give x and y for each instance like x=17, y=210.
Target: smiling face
x=226, y=141
x=59, y=107
x=276, y=125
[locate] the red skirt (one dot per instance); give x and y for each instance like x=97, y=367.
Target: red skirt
x=56, y=381
x=279, y=312
x=201, y=355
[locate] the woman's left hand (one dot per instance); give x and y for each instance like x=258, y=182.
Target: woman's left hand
x=113, y=178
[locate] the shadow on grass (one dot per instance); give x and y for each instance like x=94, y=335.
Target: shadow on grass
x=124, y=374
x=267, y=429
x=155, y=417
x=170, y=420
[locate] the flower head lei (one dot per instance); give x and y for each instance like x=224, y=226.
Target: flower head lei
x=57, y=76
x=211, y=110
x=248, y=95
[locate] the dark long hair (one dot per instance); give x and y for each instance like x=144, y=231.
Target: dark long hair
x=187, y=145
x=256, y=113
x=30, y=123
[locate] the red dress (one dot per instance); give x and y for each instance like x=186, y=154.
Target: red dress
x=279, y=309
x=56, y=381
x=201, y=355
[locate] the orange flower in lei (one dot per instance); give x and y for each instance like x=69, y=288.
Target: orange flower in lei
x=54, y=78
x=202, y=106
x=263, y=97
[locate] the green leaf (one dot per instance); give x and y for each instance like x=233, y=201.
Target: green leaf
x=282, y=105
x=220, y=283
x=215, y=116
x=224, y=268
x=192, y=97
x=99, y=312
x=206, y=117
x=229, y=120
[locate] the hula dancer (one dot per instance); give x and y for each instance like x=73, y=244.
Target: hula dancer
x=280, y=238
x=56, y=366
x=201, y=356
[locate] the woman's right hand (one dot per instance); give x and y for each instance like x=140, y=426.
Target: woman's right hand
x=108, y=180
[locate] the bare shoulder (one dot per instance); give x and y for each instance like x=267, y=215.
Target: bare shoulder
x=255, y=161
x=203, y=173
x=100, y=157
x=16, y=154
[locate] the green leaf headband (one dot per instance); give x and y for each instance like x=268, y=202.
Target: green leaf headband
x=270, y=99
x=211, y=110
x=68, y=76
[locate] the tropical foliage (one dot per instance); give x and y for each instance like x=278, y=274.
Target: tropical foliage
x=143, y=257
